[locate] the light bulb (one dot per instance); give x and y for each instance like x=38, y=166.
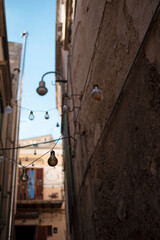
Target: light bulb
x=46, y=116
x=1, y=159
x=96, y=94
x=31, y=116
x=65, y=108
x=8, y=109
x=52, y=161
x=35, y=153
x=57, y=125
x=24, y=176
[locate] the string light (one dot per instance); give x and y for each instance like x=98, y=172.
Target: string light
x=57, y=125
x=52, y=161
x=35, y=153
x=46, y=116
x=31, y=116
x=8, y=108
x=24, y=176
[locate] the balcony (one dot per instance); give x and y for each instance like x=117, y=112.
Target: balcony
x=32, y=208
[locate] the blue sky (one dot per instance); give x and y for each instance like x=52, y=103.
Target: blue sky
x=38, y=18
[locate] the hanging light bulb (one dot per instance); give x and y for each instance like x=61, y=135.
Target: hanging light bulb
x=46, y=116
x=31, y=116
x=32, y=164
x=24, y=176
x=65, y=108
x=52, y=161
x=20, y=162
x=35, y=153
x=57, y=125
x=8, y=109
x=96, y=94
x=1, y=159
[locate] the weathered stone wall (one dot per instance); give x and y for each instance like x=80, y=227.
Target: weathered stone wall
x=116, y=168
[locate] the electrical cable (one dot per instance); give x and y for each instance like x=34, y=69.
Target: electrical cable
x=51, y=109
x=44, y=153
x=36, y=110
x=29, y=145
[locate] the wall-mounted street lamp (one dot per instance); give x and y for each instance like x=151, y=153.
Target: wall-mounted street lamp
x=42, y=90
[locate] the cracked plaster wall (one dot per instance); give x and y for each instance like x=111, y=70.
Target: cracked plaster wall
x=116, y=178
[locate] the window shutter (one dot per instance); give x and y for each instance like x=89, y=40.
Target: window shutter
x=41, y=233
x=38, y=183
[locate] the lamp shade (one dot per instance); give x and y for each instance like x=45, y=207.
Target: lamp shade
x=52, y=161
x=42, y=90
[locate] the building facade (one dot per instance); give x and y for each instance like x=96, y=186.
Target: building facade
x=9, y=76
x=40, y=200
x=114, y=144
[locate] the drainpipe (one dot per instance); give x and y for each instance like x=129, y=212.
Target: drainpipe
x=5, y=199
x=19, y=99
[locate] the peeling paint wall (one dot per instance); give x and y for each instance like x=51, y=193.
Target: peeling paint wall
x=116, y=167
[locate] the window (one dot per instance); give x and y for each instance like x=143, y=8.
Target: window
x=55, y=230
x=33, y=188
x=49, y=230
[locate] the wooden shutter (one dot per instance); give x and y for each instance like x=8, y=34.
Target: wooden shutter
x=41, y=233
x=38, y=183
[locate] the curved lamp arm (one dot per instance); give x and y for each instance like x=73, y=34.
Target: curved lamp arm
x=42, y=90
x=56, y=73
